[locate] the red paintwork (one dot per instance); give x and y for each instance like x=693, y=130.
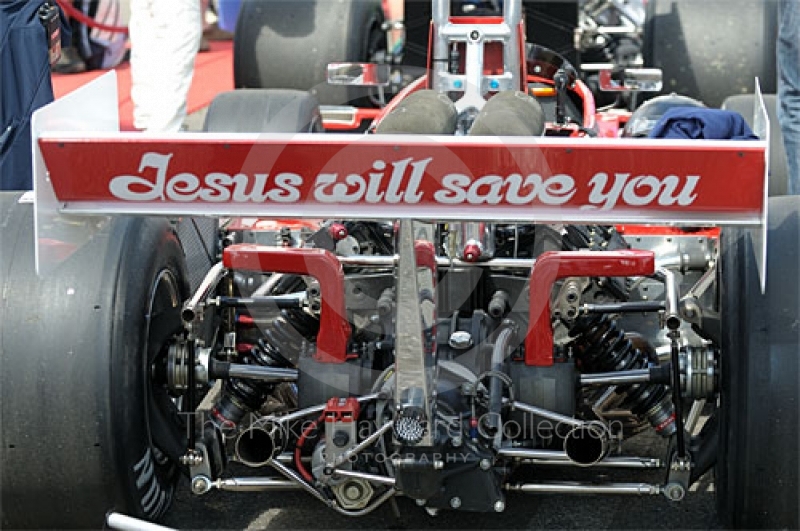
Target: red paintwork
x=330, y=173
x=342, y=410
x=492, y=58
x=588, y=103
x=359, y=117
x=607, y=125
x=334, y=330
x=337, y=231
x=476, y=20
x=555, y=265
x=472, y=253
x=426, y=255
x=656, y=230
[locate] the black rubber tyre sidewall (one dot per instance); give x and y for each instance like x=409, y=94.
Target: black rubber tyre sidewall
x=757, y=465
x=151, y=247
x=73, y=375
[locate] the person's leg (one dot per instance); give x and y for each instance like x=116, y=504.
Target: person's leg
x=144, y=86
x=788, y=60
x=71, y=60
x=204, y=44
x=164, y=40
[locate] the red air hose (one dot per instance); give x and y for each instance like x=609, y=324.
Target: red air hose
x=83, y=18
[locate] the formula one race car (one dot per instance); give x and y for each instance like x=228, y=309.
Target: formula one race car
x=493, y=281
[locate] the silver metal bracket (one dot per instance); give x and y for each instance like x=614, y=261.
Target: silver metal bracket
x=678, y=478
x=473, y=83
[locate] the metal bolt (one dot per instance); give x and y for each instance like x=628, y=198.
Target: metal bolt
x=421, y=503
x=200, y=485
x=499, y=506
x=485, y=464
x=674, y=492
x=456, y=442
x=352, y=492
x=438, y=465
x=455, y=502
x=460, y=340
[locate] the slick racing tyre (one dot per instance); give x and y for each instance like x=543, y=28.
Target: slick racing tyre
x=264, y=111
x=289, y=44
x=757, y=464
x=87, y=423
x=709, y=49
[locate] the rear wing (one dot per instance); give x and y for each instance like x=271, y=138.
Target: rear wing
x=86, y=170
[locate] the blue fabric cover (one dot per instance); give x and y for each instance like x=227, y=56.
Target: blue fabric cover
x=24, y=86
x=697, y=123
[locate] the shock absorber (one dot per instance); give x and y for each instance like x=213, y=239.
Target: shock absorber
x=284, y=338
x=601, y=346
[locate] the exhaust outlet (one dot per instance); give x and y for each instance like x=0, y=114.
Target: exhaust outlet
x=258, y=445
x=588, y=444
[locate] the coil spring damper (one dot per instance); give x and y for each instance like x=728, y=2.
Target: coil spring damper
x=284, y=338
x=555, y=265
x=602, y=347
x=334, y=330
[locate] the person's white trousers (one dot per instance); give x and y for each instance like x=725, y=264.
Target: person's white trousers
x=165, y=36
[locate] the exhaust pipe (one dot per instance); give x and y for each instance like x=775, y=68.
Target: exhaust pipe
x=257, y=445
x=588, y=444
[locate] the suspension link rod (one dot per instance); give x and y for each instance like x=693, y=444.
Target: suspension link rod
x=254, y=372
x=635, y=489
x=660, y=374
x=280, y=302
x=555, y=457
x=551, y=415
x=212, y=278
x=624, y=307
x=254, y=484
x=383, y=480
x=441, y=262
x=297, y=478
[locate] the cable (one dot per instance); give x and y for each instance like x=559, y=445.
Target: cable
x=298, y=461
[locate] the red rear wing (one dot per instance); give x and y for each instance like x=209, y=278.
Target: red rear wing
x=401, y=176
x=377, y=176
